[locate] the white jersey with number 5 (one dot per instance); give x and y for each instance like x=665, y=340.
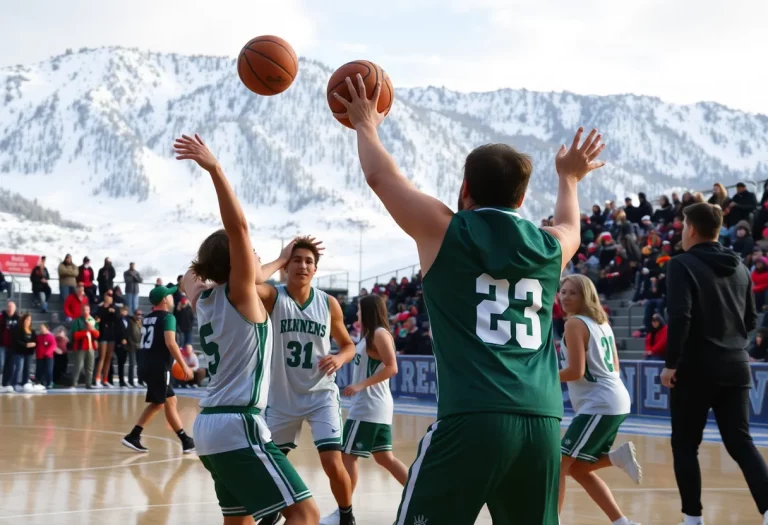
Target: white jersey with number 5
x=601, y=390
x=302, y=338
x=238, y=352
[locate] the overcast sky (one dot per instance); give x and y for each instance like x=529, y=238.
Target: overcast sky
x=680, y=50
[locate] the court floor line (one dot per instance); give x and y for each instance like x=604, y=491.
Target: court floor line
x=83, y=469
x=323, y=497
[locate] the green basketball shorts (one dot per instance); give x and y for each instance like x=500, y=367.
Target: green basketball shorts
x=256, y=480
x=511, y=462
x=362, y=438
x=590, y=436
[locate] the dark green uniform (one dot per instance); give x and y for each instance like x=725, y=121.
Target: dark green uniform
x=489, y=295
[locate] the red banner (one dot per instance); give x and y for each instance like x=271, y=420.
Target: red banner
x=19, y=264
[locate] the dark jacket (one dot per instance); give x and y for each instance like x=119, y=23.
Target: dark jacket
x=132, y=279
x=185, y=319
x=8, y=324
x=37, y=277
x=710, y=310
x=106, y=278
x=21, y=339
x=745, y=204
x=665, y=214
x=128, y=330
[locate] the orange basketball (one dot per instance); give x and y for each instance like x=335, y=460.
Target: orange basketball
x=267, y=65
x=178, y=372
x=371, y=74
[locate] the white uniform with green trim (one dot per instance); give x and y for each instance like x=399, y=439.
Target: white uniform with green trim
x=231, y=436
x=600, y=391
x=368, y=426
x=373, y=404
x=300, y=390
x=600, y=399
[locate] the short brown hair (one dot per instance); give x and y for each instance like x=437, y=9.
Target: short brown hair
x=212, y=262
x=705, y=218
x=305, y=243
x=497, y=175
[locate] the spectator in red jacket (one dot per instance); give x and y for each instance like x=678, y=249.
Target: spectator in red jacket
x=656, y=340
x=85, y=333
x=86, y=276
x=46, y=344
x=73, y=306
x=760, y=283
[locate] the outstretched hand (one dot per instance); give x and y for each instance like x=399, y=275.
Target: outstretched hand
x=285, y=255
x=360, y=110
x=188, y=148
x=577, y=161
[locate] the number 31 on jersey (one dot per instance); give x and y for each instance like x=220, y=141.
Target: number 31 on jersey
x=490, y=310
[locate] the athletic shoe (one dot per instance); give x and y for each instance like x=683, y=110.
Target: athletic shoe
x=97, y=384
x=39, y=388
x=272, y=519
x=187, y=445
x=625, y=458
x=332, y=519
x=134, y=443
x=7, y=390
x=109, y=385
x=29, y=388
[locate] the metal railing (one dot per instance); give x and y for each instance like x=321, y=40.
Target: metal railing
x=757, y=184
x=369, y=282
x=333, y=281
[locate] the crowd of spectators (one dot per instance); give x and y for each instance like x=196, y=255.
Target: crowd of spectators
x=100, y=328
x=623, y=248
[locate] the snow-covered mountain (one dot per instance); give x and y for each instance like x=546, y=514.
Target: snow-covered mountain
x=89, y=134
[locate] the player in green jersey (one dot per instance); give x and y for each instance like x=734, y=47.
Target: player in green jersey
x=490, y=280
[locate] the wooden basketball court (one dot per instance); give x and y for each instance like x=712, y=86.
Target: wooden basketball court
x=61, y=463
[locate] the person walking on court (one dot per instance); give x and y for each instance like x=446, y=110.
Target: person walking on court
x=158, y=343
x=490, y=279
x=710, y=310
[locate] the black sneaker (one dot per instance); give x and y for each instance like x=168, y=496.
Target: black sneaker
x=272, y=519
x=134, y=443
x=187, y=445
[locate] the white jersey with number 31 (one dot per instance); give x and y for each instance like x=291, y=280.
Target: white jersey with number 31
x=302, y=338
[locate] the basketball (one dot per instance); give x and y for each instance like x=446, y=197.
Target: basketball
x=267, y=65
x=371, y=74
x=178, y=372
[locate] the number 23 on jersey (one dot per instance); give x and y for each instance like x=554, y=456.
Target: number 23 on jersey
x=491, y=328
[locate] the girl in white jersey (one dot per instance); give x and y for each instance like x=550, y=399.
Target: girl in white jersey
x=600, y=399
x=368, y=429
x=252, y=478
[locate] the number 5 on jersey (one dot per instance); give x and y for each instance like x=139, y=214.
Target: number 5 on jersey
x=492, y=329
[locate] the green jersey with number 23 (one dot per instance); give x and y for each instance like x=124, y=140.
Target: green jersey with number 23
x=489, y=295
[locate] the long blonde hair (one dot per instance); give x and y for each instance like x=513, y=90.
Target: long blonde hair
x=592, y=307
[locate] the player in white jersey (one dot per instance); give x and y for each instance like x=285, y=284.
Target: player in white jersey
x=599, y=398
x=368, y=429
x=303, y=386
x=251, y=476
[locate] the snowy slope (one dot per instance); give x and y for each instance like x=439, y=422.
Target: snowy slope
x=89, y=134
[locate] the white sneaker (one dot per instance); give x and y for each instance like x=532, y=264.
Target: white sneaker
x=109, y=385
x=40, y=388
x=29, y=388
x=332, y=519
x=18, y=389
x=625, y=458
x=7, y=390
x=97, y=384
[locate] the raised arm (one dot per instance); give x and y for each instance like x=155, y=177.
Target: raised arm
x=245, y=269
x=421, y=216
x=267, y=292
x=572, y=166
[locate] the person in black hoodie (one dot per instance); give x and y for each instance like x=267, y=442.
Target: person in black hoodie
x=710, y=311
x=106, y=277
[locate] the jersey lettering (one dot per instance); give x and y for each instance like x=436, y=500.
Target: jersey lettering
x=302, y=325
x=492, y=329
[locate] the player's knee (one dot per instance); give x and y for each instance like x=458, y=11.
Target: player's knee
x=579, y=470
x=303, y=512
x=383, y=458
x=332, y=463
